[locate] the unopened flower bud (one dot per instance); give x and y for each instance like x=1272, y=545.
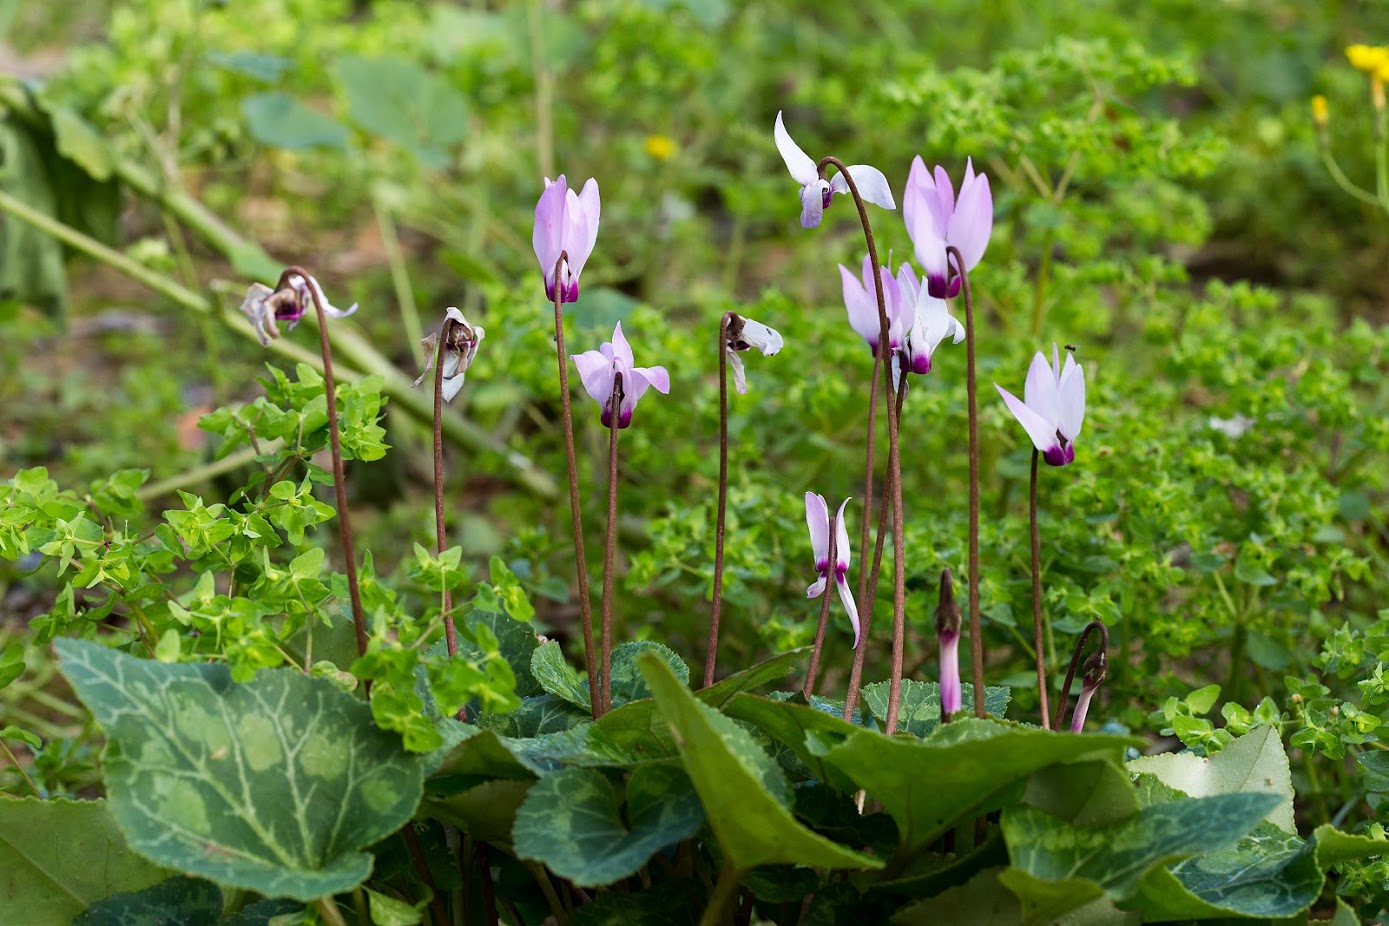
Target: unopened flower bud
x=948, y=638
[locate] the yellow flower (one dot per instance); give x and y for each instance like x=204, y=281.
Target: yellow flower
x=661, y=147
x=1320, y=115
x=1368, y=58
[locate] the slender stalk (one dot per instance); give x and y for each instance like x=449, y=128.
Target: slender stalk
x=327, y=908
x=866, y=601
x=400, y=278
x=712, y=652
x=330, y=395
x=825, y=596
x=610, y=546
x=19, y=768
x=1037, y=598
x=489, y=899
x=1092, y=627
x=581, y=561
x=899, y=571
x=893, y=457
x=723, y=892
x=542, y=878
x=976, y=633
x=441, y=535
x=436, y=901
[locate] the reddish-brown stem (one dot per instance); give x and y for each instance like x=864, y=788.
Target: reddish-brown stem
x=1037, y=598
x=831, y=578
x=441, y=536
x=610, y=547
x=867, y=600
x=976, y=633
x=330, y=396
x=712, y=652
x=436, y=902
x=575, y=518
x=1090, y=628
x=893, y=457
x=484, y=866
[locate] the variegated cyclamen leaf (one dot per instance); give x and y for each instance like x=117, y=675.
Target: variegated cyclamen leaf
x=274, y=786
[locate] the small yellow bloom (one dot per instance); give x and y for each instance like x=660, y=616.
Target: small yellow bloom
x=661, y=147
x=1320, y=114
x=1367, y=58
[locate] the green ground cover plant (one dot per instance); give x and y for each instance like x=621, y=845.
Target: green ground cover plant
x=1093, y=528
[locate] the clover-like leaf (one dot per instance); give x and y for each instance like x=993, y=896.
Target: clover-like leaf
x=275, y=786
x=571, y=821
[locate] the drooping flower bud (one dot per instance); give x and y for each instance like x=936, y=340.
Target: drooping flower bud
x=742, y=334
x=461, y=341
x=1096, y=668
x=948, y=636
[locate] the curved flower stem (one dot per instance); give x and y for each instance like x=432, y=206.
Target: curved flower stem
x=1037, y=598
x=609, y=548
x=976, y=634
x=814, y=668
x=724, y=890
x=712, y=652
x=581, y=561
x=441, y=536
x=894, y=463
x=1090, y=628
x=416, y=852
x=867, y=600
x=330, y=396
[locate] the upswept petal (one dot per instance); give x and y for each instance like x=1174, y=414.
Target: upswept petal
x=1072, y=399
x=596, y=373
x=549, y=227
x=767, y=340
x=813, y=203
x=862, y=307
x=592, y=208
x=802, y=168
x=817, y=588
x=579, y=238
x=657, y=378
x=817, y=519
x=914, y=203
x=929, y=247
x=973, y=223
x=1040, y=392
x=621, y=350
x=872, y=185
x=1042, y=432
x=841, y=538
x=847, y=597
x=944, y=206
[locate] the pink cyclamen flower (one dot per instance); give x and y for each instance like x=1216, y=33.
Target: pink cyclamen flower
x=566, y=224
x=1053, y=406
x=817, y=518
x=931, y=323
x=948, y=621
x=937, y=220
x=746, y=334
x=861, y=300
x=598, y=371
x=816, y=190
x=266, y=307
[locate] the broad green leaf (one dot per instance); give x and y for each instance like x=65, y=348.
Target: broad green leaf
x=516, y=640
x=628, y=684
x=278, y=119
x=1344, y=916
x=57, y=857
x=918, y=713
x=980, y=901
x=537, y=715
x=263, y=913
x=484, y=811
x=1255, y=762
x=1057, y=866
x=479, y=755
x=753, y=677
x=80, y=143
x=743, y=792
x=668, y=903
x=801, y=728
x=573, y=823
x=557, y=677
x=963, y=769
x=186, y=901
x=387, y=911
x=31, y=262
x=274, y=786
x=400, y=101
x=1334, y=847
x=1085, y=794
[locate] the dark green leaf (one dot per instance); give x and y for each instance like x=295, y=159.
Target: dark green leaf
x=224, y=781
x=175, y=902
x=399, y=101
x=278, y=119
x=628, y=684
x=753, y=677
x=1252, y=763
x=557, y=677
x=918, y=713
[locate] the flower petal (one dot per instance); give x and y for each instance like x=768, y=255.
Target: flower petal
x=549, y=227
x=1072, y=399
x=755, y=334
x=945, y=199
x=817, y=588
x=1039, y=392
x=862, y=308
x=847, y=597
x=817, y=519
x=930, y=254
x=973, y=222
x=914, y=204
x=872, y=185
x=621, y=350
x=596, y=373
x=813, y=203
x=581, y=226
x=1042, y=432
x=841, y=538
x=740, y=379
x=802, y=168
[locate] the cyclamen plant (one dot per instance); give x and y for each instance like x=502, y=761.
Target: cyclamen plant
x=715, y=803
